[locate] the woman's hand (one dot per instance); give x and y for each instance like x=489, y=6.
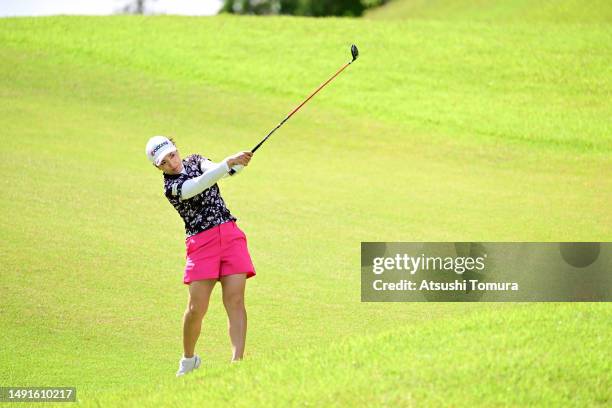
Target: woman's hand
x=242, y=158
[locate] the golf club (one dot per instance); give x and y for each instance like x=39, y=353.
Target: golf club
x=354, y=54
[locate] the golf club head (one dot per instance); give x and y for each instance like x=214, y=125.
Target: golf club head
x=354, y=52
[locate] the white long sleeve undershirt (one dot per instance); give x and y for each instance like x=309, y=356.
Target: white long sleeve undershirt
x=212, y=172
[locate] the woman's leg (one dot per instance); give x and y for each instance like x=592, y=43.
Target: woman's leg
x=233, y=300
x=199, y=295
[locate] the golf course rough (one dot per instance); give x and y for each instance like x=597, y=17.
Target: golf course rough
x=458, y=130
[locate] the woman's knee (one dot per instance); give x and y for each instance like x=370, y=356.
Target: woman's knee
x=233, y=300
x=196, y=309
x=199, y=296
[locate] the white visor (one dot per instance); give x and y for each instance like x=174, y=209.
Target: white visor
x=158, y=147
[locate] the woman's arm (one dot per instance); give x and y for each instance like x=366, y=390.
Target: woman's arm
x=206, y=165
x=213, y=172
x=196, y=185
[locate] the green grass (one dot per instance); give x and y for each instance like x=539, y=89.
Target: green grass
x=460, y=361
x=441, y=131
x=535, y=11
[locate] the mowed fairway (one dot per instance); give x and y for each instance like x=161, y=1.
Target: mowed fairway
x=441, y=131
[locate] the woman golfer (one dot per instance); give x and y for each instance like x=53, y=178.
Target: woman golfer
x=216, y=249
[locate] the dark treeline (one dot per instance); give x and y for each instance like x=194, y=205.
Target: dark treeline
x=314, y=8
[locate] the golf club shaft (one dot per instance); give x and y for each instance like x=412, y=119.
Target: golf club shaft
x=299, y=106
x=354, y=53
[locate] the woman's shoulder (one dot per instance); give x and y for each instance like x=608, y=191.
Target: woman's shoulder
x=193, y=165
x=194, y=158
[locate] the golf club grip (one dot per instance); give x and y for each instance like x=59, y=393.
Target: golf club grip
x=235, y=169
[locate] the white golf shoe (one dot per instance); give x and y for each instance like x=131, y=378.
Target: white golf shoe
x=188, y=364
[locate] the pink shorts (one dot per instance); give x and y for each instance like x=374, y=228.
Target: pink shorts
x=217, y=252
